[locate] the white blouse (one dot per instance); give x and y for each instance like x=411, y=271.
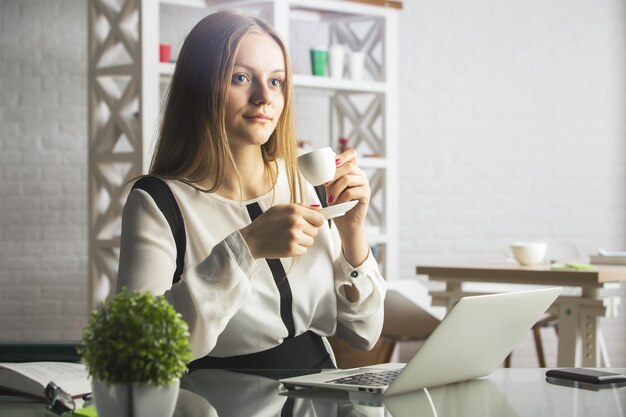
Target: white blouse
x=228, y=298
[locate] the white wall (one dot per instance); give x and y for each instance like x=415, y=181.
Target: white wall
x=511, y=127
x=512, y=122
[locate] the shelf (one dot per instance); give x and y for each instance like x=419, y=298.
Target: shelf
x=331, y=8
x=322, y=10
x=301, y=22
x=166, y=69
x=308, y=15
x=347, y=108
x=394, y=4
x=215, y=5
x=337, y=84
x=185, y=3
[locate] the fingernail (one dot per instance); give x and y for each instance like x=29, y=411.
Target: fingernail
x=330, y=199
x=314, y=205
x=337, y=161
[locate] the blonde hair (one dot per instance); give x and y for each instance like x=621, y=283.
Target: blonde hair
x=192, y=144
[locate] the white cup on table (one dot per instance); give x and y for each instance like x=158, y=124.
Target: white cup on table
x=529, y=253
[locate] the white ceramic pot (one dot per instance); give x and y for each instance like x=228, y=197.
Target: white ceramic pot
x=135, y=399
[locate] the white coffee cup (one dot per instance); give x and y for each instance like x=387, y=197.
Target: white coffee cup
x=357, y=64
x=336, y=56
x=529, y=253
x=318, y=166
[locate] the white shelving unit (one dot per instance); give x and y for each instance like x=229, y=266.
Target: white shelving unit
x=365, y=111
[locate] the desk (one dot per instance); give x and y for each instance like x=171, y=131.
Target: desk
x=578, y=315
x=505, y=393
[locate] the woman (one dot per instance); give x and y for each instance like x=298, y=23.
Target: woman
x=264, y=276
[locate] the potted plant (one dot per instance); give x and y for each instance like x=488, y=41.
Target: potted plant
x=135, y=348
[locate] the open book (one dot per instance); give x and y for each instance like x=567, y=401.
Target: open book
x=31, y=378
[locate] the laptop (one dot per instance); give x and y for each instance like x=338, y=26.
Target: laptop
x=472, y=341
x=477, y=397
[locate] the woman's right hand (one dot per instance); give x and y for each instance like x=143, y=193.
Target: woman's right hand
x=283, y=231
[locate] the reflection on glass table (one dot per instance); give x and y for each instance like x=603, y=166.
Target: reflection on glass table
x=231, y=394
x=506, y=392
x=235, y=394
x=479, y=397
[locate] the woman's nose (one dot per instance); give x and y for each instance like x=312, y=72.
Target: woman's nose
x=261, y=94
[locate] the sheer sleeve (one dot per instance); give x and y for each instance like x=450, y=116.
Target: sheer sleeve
x=208, y=294
x=359, y=323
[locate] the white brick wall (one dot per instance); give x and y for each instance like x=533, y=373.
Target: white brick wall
x=512, y=123
x=43, y=157
x=511, y=127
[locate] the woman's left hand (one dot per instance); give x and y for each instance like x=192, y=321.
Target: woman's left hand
x=350, y=183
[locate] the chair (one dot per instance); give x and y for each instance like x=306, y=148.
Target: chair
x=408, y=314
x=408, y=317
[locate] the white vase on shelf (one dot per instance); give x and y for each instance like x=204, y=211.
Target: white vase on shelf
x=357, y=65
x=336, y=56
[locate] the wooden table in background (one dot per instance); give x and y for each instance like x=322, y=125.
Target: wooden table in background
x=578, y=315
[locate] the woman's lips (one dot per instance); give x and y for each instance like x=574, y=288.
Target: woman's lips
x=259, y=117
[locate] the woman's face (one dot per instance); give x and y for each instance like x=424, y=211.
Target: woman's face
x=255, y=98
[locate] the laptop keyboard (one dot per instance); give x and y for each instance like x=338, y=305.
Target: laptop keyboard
x=369, y=379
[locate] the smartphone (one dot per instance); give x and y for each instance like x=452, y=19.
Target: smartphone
x=587, y=375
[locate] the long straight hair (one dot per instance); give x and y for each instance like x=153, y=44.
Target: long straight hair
x=192, y=144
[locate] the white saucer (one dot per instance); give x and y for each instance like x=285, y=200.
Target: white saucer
x=337, y=210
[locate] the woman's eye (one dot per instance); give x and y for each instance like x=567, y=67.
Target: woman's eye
x=276, y=82
x=240, y=78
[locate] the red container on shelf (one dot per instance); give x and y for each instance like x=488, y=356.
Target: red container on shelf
x=165, y=52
